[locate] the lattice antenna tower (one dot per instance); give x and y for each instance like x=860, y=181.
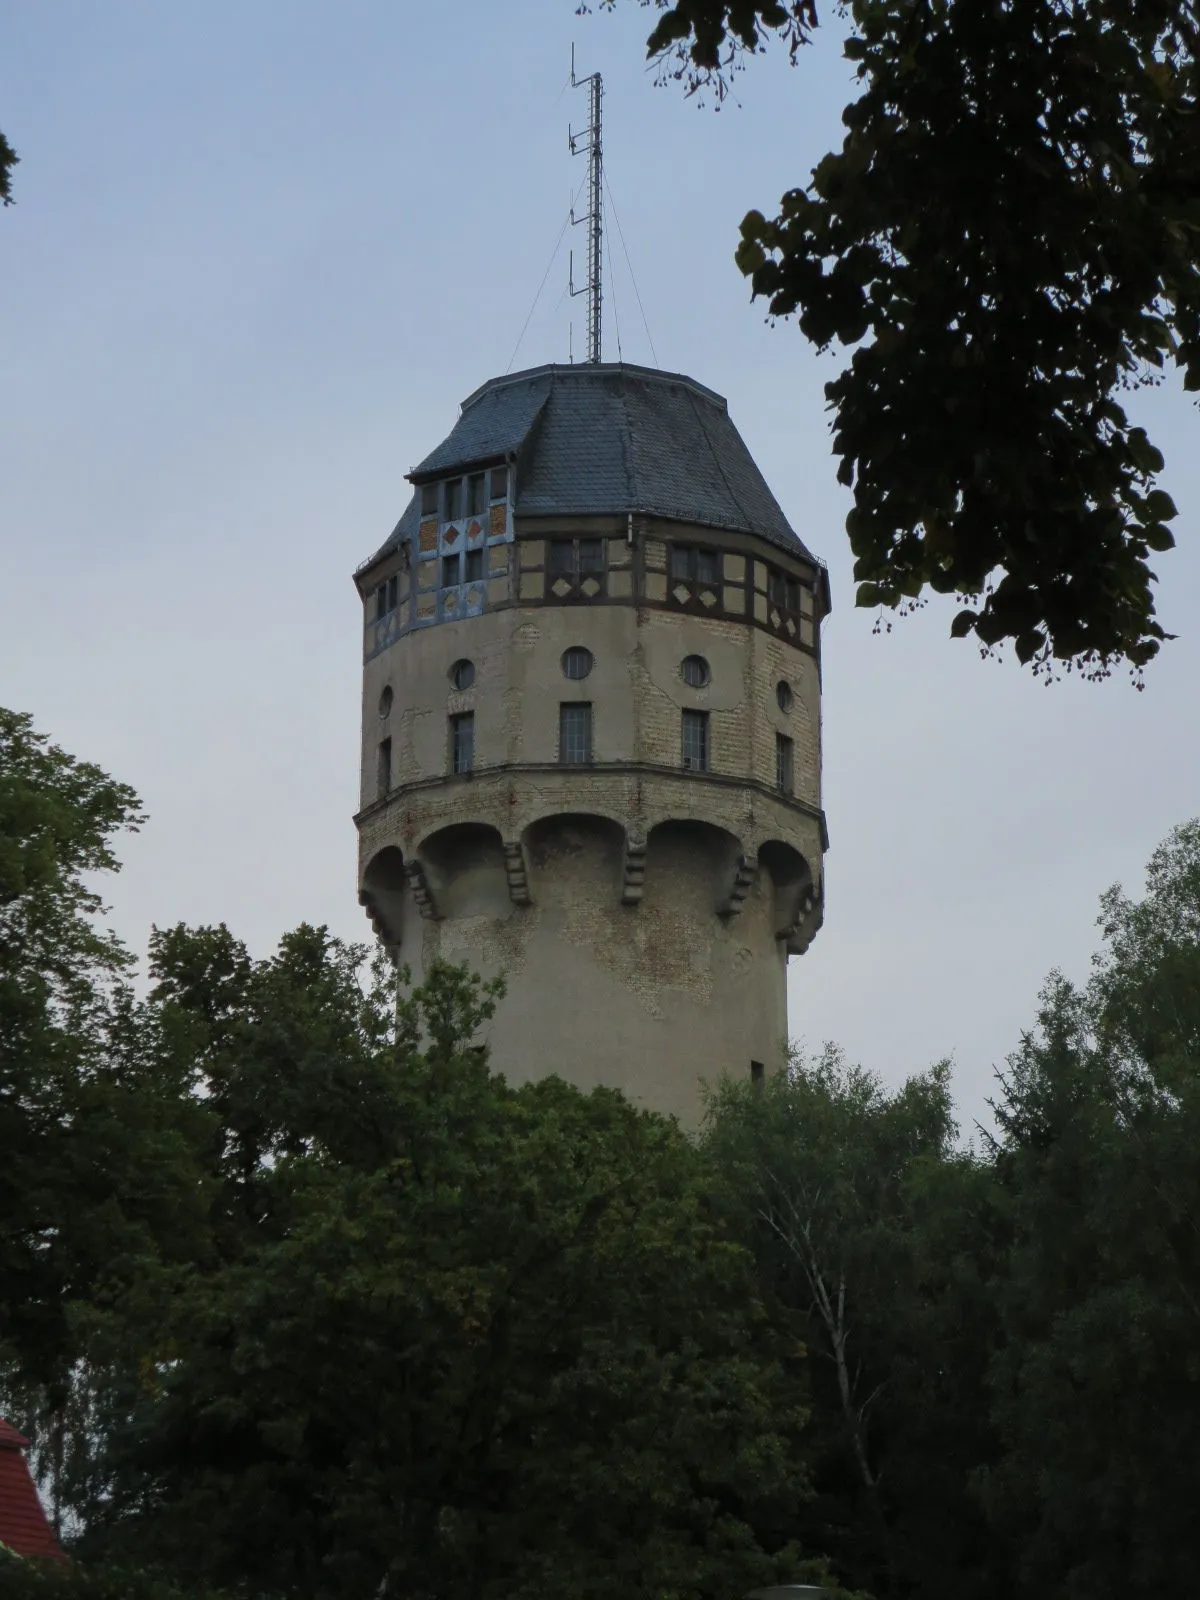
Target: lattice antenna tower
x=591, y=145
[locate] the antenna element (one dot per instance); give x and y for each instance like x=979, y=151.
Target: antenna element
x=590, y=144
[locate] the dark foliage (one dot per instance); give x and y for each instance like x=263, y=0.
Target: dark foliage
x=1010, y=236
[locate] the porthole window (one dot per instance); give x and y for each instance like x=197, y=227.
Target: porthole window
x=695, y=672
x=577, y=662
x=784, y=697
x=462, y=674
x=385, y=701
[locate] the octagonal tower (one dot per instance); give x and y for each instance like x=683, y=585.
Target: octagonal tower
x=591, y=731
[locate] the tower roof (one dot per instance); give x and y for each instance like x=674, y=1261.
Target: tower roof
x=611, y=438
x=23, y=1525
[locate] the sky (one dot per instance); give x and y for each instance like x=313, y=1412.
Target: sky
x=259, y=256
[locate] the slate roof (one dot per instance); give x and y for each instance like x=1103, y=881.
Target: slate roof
x=610, y=438
x=23, y=1525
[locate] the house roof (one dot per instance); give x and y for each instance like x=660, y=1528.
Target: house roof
x=23, y=1525
x=610, y=438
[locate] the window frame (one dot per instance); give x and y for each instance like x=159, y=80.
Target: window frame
x=472, y=567
x=698, y=722
x=383, y=768
x=452, y=499
x=462, y=723
x=684, y=561
x=577, y=558
x=785, y=763
x=580, y=654
x=566, y=745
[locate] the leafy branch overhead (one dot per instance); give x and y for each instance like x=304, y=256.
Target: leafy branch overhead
x=1008, y=240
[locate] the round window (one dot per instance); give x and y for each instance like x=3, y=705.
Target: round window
x=577, y=662
x=783, y=695
x=695, y=672
x=462, y=674
x=385, y=701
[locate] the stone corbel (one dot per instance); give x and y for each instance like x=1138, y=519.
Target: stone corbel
x=743, y=881
x=383, y=931
x=516, y=873
x=420, y=891
x=633, y=884
x=802, y=929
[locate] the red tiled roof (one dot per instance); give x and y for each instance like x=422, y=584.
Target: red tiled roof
x=23, y=1524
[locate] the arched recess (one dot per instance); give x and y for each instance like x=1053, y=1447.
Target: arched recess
x=573, y=855
x=688, y=860
x=797, y=903
x=382, y=894
x=465, y=872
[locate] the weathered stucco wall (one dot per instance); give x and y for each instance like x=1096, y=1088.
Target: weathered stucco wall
x=642, y=915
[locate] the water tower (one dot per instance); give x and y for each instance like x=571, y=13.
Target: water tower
x=591, y=752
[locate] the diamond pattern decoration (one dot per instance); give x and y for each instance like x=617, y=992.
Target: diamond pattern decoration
x=707, y=597
x=473, y=532
x=776, y=619
x=450, y=534
x=590, y=587
x=681, y=593
x=791, y=627
x=561, y=587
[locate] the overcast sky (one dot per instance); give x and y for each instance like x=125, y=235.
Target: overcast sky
x=260, y=254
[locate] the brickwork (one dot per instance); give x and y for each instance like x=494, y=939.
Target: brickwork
x=641, y=913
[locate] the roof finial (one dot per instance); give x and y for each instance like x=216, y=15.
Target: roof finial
x=590, y=144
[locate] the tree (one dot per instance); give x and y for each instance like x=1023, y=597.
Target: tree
x=1008, y=238
x=8, y=160
x=460, y=1337
x=1096, y=1385
x=95, y=1172
x=870, y=1224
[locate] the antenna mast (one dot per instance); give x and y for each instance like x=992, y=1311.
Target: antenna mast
x=590, y=144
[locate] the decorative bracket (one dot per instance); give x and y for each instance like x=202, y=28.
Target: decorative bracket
x=516, y=873
x=379, y=926
x=420, y=891
x=802, y=930
x=633, y=885
x=743, y=881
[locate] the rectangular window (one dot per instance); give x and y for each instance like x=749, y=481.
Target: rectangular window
x=695, y=741
x=757, y=1074
x=429, y=499
x=783, y=763
x=476, y=487
x=499, y=483
x=381, y=602
x=452, y=501
x=560, y=557
x=392, y=590
x=783, y=592
x=450, y=569
x=462, y=742
x=383, y=771
x=695, y=564
x=574, y=733
x=474, y=564
x=591, y=555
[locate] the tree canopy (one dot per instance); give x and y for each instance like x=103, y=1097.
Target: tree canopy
x=1008, y=240
x=302, y=1302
